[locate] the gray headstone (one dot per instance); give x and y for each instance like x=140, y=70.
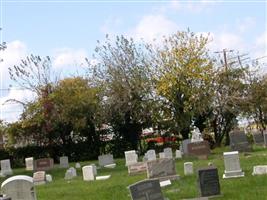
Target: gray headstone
x=19, y=188
x=199, y=149
x=146, y=190
x=162, y=168
x=239, y=142
x=184, y=145
x=208, y=180
x=64, y=162
x=258, y=137
x=265, y=138
x=232, y=165
x=106, y=159
x=168, y=152
x=151, y=155
x=6, y=167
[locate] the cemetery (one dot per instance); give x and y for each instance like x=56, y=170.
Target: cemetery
x=133, y=100
x=219, y=176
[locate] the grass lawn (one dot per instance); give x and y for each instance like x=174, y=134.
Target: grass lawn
x=247, y=188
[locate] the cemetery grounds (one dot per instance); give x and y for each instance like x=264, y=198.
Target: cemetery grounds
x=246, y=188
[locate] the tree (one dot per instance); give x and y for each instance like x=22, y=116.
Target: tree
x=183, y=72
x=230, y=86
x=123, y=74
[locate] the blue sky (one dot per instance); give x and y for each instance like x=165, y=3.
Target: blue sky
x=68, y=31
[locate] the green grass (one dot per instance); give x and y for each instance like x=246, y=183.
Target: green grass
x=247, y=188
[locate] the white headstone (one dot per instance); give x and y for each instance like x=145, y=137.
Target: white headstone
x=29, y=164
x=168, y=152
x=88, y=173
x=111, y=166
x=130, y=157
x=64, y=162
x=165, y=183
x=39, y=178
x=188, y=168
x=161, y=155
x=151, y=155
x=178, y=154
x=6, y=168
x=77, y=165
x=259, y=170
x=196, y=135
x=232, y=165
x=19, y=188
x=103, y=177
x=48, y=178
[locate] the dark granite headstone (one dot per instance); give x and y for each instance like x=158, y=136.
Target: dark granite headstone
x=43, y=164
x=146, y=190
x=199, y=149
x=265, y=138
x=208, y=180
x=258, y=137
x=239, y=142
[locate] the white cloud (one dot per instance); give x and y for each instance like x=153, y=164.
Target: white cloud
x=12, y=55
x=245, y=24
x=227, y=40
x=69, y=58
x=190, y=6
x=153, y=27
x=11, y=110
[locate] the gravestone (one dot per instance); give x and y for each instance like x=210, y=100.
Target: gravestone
x=232, y=165
x=39, y=178
x=146, y=190
x=64, y=162
x=43, y=164
x=199, y=149
x=162, y=169
x=94, y=169
x=106, y=159
x=88, y=173
x=77, y=165
x=29, y=164
x=137, y=168
x=208, y=181
x=259, y=170
x=168, y=152
x=161, y=155
x=130, y=157
x=265, y=138
x=178, y=154
x=70, y=173
x=188, y=168
x=258, y=137
x=6, y=167
x=151, y=155
x=239, y=142
x=184, y=146
x=48, y=178
x=19, y=188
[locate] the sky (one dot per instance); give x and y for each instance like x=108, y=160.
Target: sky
x=68, y=31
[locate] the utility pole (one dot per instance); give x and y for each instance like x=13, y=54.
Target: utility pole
x=224, y=52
